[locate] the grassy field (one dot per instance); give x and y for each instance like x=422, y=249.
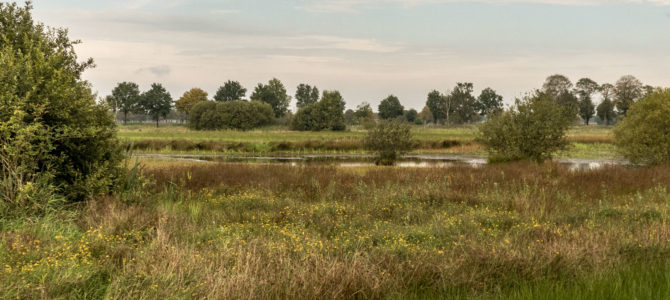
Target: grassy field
x=236, y=231
x=587, y=142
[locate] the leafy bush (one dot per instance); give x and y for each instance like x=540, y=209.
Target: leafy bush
x=237, y=114
x=328, y=113
x=389, y=139
x=643, y=136
x=533, y=129
x=51, y=130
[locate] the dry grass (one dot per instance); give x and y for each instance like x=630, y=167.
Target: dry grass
x=266, y=231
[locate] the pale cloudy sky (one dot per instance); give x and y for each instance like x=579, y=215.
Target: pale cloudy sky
x=366, y=49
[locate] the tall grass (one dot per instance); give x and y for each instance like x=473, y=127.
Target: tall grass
x=266, y=231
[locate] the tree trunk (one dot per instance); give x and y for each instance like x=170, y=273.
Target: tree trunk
x=125, y=118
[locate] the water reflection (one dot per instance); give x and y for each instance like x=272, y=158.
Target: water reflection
x=352, y=160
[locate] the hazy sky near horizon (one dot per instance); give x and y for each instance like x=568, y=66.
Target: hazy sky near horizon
x=366, y=49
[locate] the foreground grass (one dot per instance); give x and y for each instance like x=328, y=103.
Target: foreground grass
x=587, y=142
x=265, y=231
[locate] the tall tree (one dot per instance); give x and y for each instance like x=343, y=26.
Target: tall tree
x=556, y=85
x=489, y=102
x=463, y=103
x=605, y=109
x=274, y=93
x=437, y=105
x=390, y=108
x=627, y=90
x=306, y=95
x=363, y=111
x=127, y=98
x=230, y=91
x=156, y=102
x=190, y=99
x=426, y=115
x=585, y=88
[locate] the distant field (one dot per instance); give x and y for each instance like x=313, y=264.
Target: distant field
x=588, y=142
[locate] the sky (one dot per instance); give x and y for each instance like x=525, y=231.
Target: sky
x=366, y=49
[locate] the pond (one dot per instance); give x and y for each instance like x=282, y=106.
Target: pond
x=363, y=160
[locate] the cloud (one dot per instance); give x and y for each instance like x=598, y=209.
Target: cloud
x=357, y=5
x=158, y=71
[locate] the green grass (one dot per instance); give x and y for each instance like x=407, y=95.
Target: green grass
x=588, y=142
x=227, y=231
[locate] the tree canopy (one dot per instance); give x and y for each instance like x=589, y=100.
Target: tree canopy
x=306, y=95
x=230, y=91
x=126, y=97
x=273, y=93
x=390, y=108
x=156, y=102
x=190, y=99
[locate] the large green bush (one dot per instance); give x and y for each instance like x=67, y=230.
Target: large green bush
x=328, y=113
x=53, y=134
x=534, y=129
x=237, y=114
x=389, y=139
x=643, y=136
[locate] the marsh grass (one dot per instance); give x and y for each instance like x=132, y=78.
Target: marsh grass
x=270, y=231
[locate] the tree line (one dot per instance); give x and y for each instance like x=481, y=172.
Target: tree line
x=326, y=110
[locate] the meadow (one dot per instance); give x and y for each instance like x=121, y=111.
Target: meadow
x=254, y=231
x=588, y=142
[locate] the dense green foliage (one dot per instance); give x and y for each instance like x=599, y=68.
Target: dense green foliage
x=306, y=95
x=243, y=115
x=437, y=105
x=156, y=102
x=627, y=90
x=230, y=91
x=534, y=129
x=585, y=88
x=643, y=136
x=489, y=102
x=273, y=93
x=53, y=135
x=126, y=99
x=390, y=108
x=388, y=140
x=328, y=113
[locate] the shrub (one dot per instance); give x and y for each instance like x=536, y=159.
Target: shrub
x=236, y=114
x=389, y=139
x=51, y=129
x=533, y=129
x=643, y=136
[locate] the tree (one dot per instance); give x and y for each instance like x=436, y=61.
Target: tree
x=556, y=85
x=230, y=91
x=306, y=95
x=489, y=102
x=390, y=108
x=462, y=103
x=55, y=141
x=426, y=115
x=156, y=102
x=363, y=111
x=605, y=109
x=437, y=105
x=190, y=99
x=627, y=90
x=389, y=139
x=274, y=94
x=533, y=129
x=328, y=113
x=585, y=88
x=411, y=115
x=127, y=98
x=643, y=136
x=350, y=117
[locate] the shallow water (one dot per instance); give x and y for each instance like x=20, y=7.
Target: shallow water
x=362, y=160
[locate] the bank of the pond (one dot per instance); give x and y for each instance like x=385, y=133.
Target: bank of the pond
x=363, y=160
